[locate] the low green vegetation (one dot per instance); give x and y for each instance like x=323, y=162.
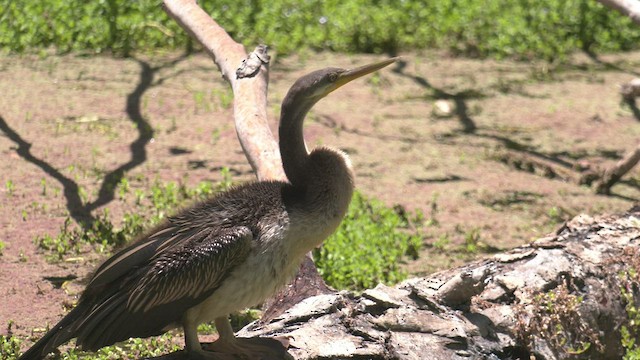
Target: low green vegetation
x=547, y=29
x=630, y=331
x=131, y=349
x=151, y=206
x=555, y=317
x=368, y=246
x=9, y=347
x=10, y=187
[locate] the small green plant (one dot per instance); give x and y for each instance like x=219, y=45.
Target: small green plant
x=215, y=136
x=442, y=242
x=123, y=188
x=2, y=246
x=9, y=347
x=433, y=217
x=59, y=246
x=630, y=331
x=555, y=317
x=129, y=350
x=225, y=97
x=10, y=187
x=200, y=102
x=43, y=183
x=558, y=214
x=368, y=246
x=241, y=319
x=226, y=181
x=472, y=241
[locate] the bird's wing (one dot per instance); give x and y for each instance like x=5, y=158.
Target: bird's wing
x=140, y=253
x=131, y=257
x=190, y=269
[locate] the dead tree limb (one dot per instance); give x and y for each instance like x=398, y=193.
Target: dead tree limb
x=561, y=297
x=613, y=174
x=630, y=8
x=248, y=76
x=630, y=90
x=250, y=92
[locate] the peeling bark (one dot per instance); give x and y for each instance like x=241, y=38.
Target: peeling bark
x=557, y=298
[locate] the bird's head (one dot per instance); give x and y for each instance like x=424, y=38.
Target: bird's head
x=318, y=84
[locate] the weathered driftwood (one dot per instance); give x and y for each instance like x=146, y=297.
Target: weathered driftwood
x=557, y=298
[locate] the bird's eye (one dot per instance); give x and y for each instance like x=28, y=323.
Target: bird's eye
x=333, y=77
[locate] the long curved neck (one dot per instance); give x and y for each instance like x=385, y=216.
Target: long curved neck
x=293, y=149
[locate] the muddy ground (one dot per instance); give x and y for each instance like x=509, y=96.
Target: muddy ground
x=495, y=170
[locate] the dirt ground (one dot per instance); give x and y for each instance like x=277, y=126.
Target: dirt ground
x=489, y=150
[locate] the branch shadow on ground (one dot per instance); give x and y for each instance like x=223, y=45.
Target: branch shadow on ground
x=468, y=125
x=470, y=128
x=331, y=123
x=459, y=98
x=608, y=65
x=70, y=188
x=78, y=210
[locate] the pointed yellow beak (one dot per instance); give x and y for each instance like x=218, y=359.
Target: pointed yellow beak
x=361, y=71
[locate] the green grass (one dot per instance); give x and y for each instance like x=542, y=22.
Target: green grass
x=10, y=187
x=151, y=206
x=9, y=347
x=131, y=349
x=368, y=246
x=630, y=330
x=547, y=29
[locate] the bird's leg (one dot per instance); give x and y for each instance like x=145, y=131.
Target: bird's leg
x=224, y=328
x=244, y=348
x=227, y=342
x=191, y=341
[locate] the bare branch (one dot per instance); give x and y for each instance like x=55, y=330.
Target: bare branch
x=250, y=93
x=613, y=174
x=631, y=89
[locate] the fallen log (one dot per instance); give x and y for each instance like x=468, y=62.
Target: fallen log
x=564, y=296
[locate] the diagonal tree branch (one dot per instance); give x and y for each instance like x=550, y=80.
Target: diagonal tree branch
x=250, y=93
x=614, y=173
x=630, y=8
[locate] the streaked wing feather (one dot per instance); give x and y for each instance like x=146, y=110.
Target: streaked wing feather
x=194, y=267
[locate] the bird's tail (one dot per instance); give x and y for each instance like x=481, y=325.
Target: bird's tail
x=58, y=335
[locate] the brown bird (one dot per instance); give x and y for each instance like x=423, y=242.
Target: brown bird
x=224, y=254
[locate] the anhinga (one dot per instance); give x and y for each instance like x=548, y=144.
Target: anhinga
x=224, y=254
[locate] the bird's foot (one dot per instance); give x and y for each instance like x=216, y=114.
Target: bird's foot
x=245, y=348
